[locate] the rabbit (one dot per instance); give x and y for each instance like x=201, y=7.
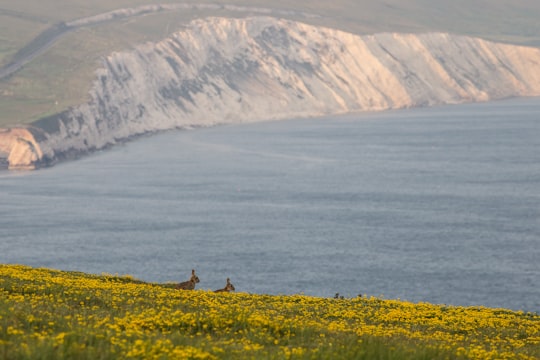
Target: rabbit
x=229, y=287
x=190, y=284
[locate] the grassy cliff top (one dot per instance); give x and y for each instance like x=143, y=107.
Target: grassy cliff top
x=61, y=77
x=51, y=314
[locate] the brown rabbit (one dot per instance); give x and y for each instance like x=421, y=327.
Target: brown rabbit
x=229, y=287
x=190, y=284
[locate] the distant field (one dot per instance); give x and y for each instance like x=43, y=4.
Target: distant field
x=62, y=76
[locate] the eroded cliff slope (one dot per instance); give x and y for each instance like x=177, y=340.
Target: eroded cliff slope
x=218, y=71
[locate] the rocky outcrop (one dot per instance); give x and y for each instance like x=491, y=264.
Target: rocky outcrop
x=218, y=71
x=21, y=148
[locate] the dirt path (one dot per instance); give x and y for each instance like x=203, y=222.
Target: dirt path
x=39, y=45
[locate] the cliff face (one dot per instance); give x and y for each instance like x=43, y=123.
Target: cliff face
x=218, y=71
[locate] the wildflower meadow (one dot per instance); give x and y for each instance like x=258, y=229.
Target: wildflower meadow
x=49, y=314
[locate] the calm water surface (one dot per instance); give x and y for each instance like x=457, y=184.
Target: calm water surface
x=439, y=205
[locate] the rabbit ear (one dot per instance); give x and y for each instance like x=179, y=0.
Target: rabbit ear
x=228, y=281
x=193, y=272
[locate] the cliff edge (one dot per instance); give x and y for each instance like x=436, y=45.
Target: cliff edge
x=220, y=70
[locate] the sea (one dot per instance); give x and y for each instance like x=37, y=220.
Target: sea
x=438, y=205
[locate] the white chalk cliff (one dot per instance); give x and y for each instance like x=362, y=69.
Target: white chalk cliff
x=218, y=70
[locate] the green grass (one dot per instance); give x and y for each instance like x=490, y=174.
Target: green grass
x=48, y=314
x=61, y=77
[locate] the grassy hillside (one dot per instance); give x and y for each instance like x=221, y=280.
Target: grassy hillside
x=49, y=314
x=61, y=77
